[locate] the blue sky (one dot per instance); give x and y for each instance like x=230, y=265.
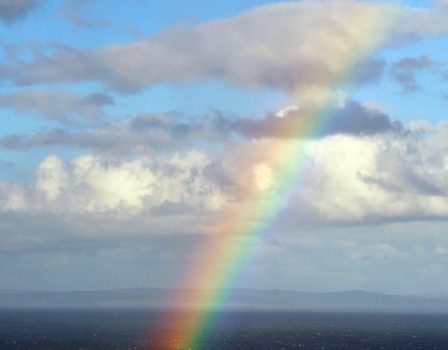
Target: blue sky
x=125, y=22
x=129, y=126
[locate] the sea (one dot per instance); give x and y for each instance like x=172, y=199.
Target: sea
x=101, y=329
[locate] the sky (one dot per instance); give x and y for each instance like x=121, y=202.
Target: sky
x=128, y=128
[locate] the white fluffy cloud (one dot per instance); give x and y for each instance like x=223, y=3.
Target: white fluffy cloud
x=346, y=178
x=152, y=212
x=89, y=184
x=387, y=178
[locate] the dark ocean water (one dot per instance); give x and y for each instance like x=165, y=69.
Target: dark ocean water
x=127, y=329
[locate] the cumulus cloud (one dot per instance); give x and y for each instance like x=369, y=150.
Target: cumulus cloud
x=347, y=179
x=14, y=10
x=357, y=179
x=90, y=184
x=274, y=46
x=154, y=210
x=158, y=182
x=386, y=181
x=57, y=105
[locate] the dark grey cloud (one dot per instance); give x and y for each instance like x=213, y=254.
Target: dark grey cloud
x=148, y=132
x=353, y=118
x=14, y=10
x=405, y=72
x=58, y=105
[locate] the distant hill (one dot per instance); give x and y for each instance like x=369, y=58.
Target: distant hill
x=237, y=299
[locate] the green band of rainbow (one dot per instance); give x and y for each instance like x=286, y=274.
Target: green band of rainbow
x=239, y=227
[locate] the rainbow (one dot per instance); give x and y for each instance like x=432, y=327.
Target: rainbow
x=238, y=228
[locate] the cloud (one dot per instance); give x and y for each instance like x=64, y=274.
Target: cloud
x=404, y=72
x=151, y=211
x=14, y=10
x=377, y=252
x=143, y=193
x=349, y=179
x=274, y=47
x=57, y=105
x=148, y=133
x=387, y=178
x=143, y=134
x=92, y=184
x=350, y=118
x=72, y=257
x=354, y=179
x=441, y=4
x=72, y=11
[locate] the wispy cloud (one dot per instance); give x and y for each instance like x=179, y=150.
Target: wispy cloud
x=160, y=132
x=15, y=10
x=73, y=12
x=405, y=71
x=58, y=105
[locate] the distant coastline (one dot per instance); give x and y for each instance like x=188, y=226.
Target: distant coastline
x=246, y=299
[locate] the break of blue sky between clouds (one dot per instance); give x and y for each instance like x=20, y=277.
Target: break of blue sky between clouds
x=429, y=103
